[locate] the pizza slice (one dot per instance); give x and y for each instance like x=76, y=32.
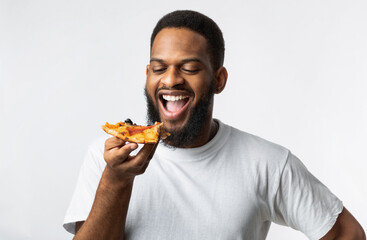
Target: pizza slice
x=137, y=134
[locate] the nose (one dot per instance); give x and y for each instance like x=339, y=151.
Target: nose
x=172, y=77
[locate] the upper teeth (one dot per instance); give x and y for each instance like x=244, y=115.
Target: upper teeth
x=173, y=98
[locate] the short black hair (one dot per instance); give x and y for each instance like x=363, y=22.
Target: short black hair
x=199, y=23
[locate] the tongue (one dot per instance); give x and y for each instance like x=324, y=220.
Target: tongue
x=175, y=106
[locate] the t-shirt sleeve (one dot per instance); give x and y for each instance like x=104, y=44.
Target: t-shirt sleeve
x=87, y=183
x=303, y=202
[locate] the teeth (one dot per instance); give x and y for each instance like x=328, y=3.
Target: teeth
x=173, y=98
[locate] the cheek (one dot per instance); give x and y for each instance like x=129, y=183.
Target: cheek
x=151, y=87
x=202, y=87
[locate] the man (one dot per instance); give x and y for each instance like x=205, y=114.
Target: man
x=207, y=180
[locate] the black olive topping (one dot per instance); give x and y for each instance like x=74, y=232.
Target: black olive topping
x=128, y=120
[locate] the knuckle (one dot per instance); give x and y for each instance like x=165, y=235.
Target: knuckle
x=106, y=156
x=107, y=143
x=113, y=164
x=113, y=160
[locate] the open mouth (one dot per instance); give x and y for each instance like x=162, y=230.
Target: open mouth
x=173, y=105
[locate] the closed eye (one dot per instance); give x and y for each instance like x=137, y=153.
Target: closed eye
x=159, y=70
x=190, y=71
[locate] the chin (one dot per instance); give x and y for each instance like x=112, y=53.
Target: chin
x=174, y=125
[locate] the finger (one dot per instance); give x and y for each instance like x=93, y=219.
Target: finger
x=152, y=151
x=118, y=156
x=137, y=169
x=142, y=156
x=128, y=147
x=113, y=142
x=143, y=168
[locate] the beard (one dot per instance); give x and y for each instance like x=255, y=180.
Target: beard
x=188, y=134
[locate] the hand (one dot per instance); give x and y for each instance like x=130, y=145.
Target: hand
x=121, y=166
x=107, y=217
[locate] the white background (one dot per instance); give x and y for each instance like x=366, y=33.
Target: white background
x=297, y=77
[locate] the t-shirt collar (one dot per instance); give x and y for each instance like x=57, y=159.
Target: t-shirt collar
x=197, y=153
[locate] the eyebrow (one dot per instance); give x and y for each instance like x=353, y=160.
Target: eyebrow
x=186, y=60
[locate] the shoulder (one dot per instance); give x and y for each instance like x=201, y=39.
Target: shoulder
x=256, y=147
x=259, y=158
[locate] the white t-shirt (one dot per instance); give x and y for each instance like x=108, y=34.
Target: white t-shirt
x=231, y=188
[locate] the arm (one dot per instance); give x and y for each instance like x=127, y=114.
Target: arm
x=107, y=217
x=78, y=225
x=346, y=227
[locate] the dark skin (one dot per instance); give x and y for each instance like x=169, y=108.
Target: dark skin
x=179, y=57
x=345, y=228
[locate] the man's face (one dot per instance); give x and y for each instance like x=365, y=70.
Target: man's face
x=180, y=82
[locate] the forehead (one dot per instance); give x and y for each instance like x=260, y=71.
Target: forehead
x=176, y=42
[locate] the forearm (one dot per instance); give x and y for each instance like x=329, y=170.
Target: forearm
x=107, y=217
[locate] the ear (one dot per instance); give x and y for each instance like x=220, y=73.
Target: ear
x=221, y=76
x=147, y=70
